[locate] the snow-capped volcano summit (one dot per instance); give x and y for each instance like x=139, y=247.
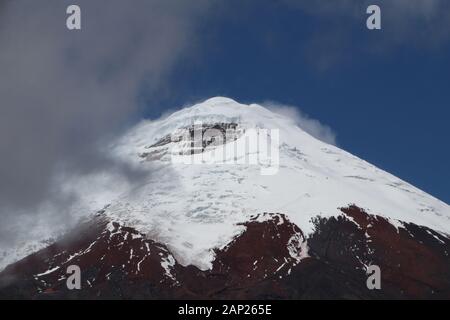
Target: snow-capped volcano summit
x=205, y=200
x=194, y=208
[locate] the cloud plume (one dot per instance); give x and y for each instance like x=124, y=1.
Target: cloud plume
x=312, y=126
x=64, y=93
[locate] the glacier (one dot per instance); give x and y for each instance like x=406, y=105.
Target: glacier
x=196, y=208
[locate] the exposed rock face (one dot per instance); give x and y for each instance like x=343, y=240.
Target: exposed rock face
x=195, y=139
x=414, y=260
x=271, y=259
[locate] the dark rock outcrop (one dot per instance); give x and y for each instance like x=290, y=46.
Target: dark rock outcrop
x=271, y=259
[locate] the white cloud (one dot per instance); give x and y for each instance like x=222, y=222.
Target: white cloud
x=312, y=126
x=62, y=93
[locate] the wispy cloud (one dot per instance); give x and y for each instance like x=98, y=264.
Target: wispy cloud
x=312, y=126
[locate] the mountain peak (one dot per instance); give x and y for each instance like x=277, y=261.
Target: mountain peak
x=218, y=100
x=218, y=207
x=195, y=208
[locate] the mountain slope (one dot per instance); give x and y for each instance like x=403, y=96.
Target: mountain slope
x=196, y=216
x=269, y=260
x=313, y=178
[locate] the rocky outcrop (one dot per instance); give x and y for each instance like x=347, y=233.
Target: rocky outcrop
x=271, y=259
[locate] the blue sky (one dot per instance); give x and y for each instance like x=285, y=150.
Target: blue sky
x=384, y=93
